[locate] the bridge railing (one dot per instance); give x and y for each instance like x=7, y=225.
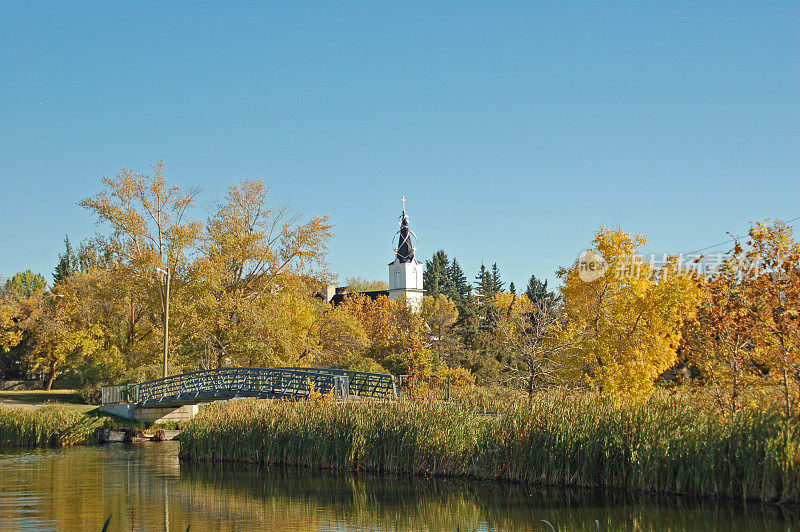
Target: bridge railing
x=257, y=382
x=120, y=393
x=362, y=383
x=243, y=381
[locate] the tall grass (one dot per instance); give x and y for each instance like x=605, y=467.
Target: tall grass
x=47, y=426
x=664, y=446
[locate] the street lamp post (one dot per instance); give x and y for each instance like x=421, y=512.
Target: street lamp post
x=166, y=317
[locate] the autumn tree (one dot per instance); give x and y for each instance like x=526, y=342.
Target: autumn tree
x=723, y=337
x=534, y=337
x=377, y=318
x=631, y=317
x=342, y=340
x=259, y=266
x=360, y=284
x=59, y=331
x=774, y=257
x=439, y=313
x=26, y=284
x=151, y=228
x=410, y=354
x=11, y=328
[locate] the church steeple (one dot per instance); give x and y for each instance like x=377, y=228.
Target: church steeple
x=405, y=271
x=405, y=247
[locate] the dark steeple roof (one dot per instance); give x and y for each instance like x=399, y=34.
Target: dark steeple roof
x=405, y=247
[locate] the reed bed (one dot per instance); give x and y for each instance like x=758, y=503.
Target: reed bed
x=47, y=426
x=664, y=446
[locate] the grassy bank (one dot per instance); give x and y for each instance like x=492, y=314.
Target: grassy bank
x=47, y=426
x=40, y=397
x=664, y=446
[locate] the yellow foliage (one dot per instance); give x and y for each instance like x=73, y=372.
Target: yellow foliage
x=439, y=313
x=375, y=316
x=10, y=331
x=459, y=377
x=509, y=303
x=631, y=318
x=342, y=338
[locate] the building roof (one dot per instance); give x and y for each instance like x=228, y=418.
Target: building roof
x=373, y=294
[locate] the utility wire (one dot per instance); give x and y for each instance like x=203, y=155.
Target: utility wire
x=734, y=239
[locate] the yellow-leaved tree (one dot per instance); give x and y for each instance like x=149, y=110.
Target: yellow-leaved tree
x=151, y=229
x=60, y=332
x=10, y=328
x=533, y=337
x=254, y=281
x=342, y=340
x=439, y=313
x=629, y=316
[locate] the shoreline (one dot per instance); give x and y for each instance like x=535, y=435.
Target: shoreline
x=592, y=445
x=61, y=425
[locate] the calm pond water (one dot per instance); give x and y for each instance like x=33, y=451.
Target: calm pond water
x=145, y=487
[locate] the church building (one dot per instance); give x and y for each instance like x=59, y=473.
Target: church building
x=405, y=271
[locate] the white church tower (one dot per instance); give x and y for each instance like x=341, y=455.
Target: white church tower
x=405, y=273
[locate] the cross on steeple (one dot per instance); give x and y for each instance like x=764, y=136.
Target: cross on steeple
x=403, y=199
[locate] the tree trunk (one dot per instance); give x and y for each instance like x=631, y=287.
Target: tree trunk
x=735, y=389
x=786, y=392
x=52, y=377
x=530, y=387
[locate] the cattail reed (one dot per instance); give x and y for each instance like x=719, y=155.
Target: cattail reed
x=47, y=426
x=663, y=446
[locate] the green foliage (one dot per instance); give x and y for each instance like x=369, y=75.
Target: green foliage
x=497, y=284
x=459, y=290
x=663, y=446
x=488, y=282
x=25, y=284
x=537, y=290
x=436, y=279
x=68, y=263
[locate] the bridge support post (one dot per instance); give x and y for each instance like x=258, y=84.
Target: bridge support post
x=157, y=414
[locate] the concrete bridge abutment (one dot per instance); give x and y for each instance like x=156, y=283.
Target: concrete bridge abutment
x=151, y=414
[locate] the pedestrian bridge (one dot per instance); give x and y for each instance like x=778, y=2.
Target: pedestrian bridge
x=228, y=383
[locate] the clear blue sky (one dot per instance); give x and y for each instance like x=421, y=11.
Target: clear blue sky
x=514, y=130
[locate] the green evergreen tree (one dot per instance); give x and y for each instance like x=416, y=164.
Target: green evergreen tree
x=497, y=284
x=483, y=283
x=512, y=289
x=68, y=263
x=537, y=290
x=459, y=289
x=436, y=278
x=488, y=282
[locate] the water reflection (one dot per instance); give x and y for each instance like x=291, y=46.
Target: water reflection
x=144, y=487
